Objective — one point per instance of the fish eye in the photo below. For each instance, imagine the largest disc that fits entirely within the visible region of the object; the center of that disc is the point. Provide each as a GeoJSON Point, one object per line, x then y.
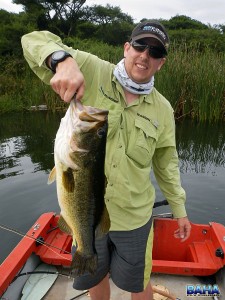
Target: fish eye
{"type": "Point", "coordinates": [101, 131]}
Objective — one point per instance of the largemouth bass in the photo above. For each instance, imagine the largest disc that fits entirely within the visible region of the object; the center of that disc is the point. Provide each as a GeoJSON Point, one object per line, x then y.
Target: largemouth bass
{"type": "Point", "coordinates": [79, 155]}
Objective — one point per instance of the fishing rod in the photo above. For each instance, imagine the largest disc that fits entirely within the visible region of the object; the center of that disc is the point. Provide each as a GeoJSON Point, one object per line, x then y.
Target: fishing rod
{"type": "Point", "coordinates": [154, 288]}
{"type": "Point", "coordinates": [48, 273]}
{"type": "Point", "coordinates": [70, 274]}
{"type": "Point", "coordinates": [42, 242]}
{"type": "Point", "coordinates": [38, 239]}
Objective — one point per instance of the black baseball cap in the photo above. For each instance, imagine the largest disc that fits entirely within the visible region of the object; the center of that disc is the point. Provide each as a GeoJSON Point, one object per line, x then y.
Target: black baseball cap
{"type": "Point", "coordinates": [151, 28]}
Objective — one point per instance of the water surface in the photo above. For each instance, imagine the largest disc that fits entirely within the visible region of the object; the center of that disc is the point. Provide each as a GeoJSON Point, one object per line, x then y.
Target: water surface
{"type": "Point", "coordinates": [26, 159]}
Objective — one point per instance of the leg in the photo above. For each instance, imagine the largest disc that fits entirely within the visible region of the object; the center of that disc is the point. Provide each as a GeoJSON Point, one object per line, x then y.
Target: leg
{"type": "Point", "coordinates": [147, 294]}
{"type": "Point", "coordinates": [101, 291]}
{"type": "Point", "coordinates": [98, 282]}
{"type": "Point", "coordinates": [131, 259]}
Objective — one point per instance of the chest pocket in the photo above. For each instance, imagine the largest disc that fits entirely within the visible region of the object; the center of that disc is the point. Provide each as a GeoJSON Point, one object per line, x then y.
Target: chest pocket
{"type": "Point", "coordinates": [142, 143]}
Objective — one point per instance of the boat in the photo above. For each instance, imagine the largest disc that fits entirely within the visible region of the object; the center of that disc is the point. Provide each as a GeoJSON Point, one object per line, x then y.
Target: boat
{"type": "Point", "coordinates": [196, 266]}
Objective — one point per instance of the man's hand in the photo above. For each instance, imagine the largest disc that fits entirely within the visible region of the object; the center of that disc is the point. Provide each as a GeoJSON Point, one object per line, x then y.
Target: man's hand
{"type": "Point", "coordinates": [184, 230]}
{"type": "Point", "coordinates": [68, 80]}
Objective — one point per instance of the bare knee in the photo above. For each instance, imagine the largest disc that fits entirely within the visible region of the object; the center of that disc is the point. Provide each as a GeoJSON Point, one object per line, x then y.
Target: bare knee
{"type": "Point", "coordinates": [101, 291]}
{"type": "Point", "coordinates": [147, 294]}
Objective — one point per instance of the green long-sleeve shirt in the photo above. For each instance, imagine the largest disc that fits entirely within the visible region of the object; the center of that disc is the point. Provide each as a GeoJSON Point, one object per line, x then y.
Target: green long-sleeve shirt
{"type": "Point", "coordinates": [141, 135]}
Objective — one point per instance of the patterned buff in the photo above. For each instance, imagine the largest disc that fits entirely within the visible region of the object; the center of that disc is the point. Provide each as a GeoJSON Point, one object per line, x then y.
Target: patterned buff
{"type": "Point", "coordinates": [131, 86]}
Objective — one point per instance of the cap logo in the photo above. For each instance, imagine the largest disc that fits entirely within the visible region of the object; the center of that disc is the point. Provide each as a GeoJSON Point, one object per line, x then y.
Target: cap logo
{"type": "Point", "coordinates": [155, 30]}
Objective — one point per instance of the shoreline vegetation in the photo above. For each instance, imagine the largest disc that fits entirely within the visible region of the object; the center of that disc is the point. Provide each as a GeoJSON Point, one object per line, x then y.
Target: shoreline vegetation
{"type": "Point", "coordinates": [192, 80]}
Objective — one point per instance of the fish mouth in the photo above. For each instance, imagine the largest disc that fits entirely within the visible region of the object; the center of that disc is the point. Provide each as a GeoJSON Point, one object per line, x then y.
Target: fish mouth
{"type": "Point", "coordinates": [88, 113]}
{"type": "Point", "coordinates": [92, 117]}
{"type": "Point", "coordinates": [87, 118]}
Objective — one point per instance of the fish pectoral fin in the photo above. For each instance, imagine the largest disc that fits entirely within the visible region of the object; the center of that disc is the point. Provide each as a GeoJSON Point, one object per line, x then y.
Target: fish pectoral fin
{"type": "Point", "coordinates": [82, 263]}
{"type": "Point", "coordinates": [104, 224]}
{"type": "Point", "coordinates": [52, 176]}
{"type": "Point", "coordinates": [68, 180]}
{"type": "Point", "coordinates": [63, 225]}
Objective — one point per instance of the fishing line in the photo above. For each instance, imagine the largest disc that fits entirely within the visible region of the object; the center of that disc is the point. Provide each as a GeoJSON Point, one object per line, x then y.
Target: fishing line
{"type": "Point", "coordinates": [51, 273]}
{"type": "Point", "coordinates": [78, 296]}
{"type": "Point", "coordinates": [69, 275]}
{"type": "Point", "coordinates": [41, 272]}
{"type": "Point", "coordinates": [38, 240]}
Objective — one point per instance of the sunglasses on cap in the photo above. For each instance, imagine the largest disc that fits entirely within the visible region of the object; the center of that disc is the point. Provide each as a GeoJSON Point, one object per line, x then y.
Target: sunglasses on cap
{"type": "Point", "coordinates": [153, 51]}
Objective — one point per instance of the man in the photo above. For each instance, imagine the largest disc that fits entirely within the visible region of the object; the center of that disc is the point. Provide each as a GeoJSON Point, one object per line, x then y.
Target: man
{"type": "Point", "coordinates": [141, 135]}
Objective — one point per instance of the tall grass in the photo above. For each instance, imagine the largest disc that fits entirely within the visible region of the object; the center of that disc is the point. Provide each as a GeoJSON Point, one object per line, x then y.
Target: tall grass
{"type": "Point", "coordinates": [20, 89]}
{"type": "Point", "coordinates": [191, 80]}
{"type": "Point", "coordinates": [194, 83]}
{"type": "Point", "coordinates": [105, 51]}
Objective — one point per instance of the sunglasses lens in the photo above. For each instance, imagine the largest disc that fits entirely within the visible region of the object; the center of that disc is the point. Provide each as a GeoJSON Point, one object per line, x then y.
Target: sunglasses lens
{"type": "Point", "coordinates": [139, 47]}
{"type": "Point", "coordinates": [154, 52]}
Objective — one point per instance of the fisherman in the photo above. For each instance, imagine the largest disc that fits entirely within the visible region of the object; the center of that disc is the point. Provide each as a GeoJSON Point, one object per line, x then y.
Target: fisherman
{"type": "Point", "coordinates": [141, 137]}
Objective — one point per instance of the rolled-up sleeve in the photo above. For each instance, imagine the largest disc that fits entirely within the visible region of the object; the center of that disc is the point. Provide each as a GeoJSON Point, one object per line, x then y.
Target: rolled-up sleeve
{"type": "Point", "coordinates": [166, 168]}
{"type": "Point", "coordinates": [168, 179]}
{"type": "Point", "coordinates": [37, 46]}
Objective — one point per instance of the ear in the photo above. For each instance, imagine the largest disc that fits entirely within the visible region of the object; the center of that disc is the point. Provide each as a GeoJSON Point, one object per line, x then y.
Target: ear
{"type": "Point", "coordinates": [162, 62]}
{"type": "Point", "coordinates": [126, 48]}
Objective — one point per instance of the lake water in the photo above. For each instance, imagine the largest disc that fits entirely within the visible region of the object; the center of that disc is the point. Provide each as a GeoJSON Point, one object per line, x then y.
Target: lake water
{"type": "Point", "coordinates": [26, 158]}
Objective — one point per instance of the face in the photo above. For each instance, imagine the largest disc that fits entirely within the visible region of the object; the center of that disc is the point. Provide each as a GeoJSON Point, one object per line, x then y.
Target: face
{"type": "Point", "coordinates": [140, 66]}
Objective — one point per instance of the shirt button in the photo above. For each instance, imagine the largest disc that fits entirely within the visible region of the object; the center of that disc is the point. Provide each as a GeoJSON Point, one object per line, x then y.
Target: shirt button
{"type": "Point", "coordinates": [111, 184]}
{"type": "Point", "coordinates": [114, 166]}
{"type": "Point", "coordinates": [120, 146]}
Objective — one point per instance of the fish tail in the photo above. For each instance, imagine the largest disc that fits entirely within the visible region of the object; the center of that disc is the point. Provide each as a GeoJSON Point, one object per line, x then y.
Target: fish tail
{"type": "Point", "coordinates": [82, 263]}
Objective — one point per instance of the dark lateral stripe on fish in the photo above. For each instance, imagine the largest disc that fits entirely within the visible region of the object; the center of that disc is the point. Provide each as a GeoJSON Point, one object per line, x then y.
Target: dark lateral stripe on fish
{"type": "Point", "coordinates": [68, 180]}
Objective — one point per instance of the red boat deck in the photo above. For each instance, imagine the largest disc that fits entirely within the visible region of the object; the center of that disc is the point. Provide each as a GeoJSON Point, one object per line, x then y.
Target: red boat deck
{"type": "Point", "coordinates": [199, 255]}
{"type": "Point", "coordinates": [202, 254]}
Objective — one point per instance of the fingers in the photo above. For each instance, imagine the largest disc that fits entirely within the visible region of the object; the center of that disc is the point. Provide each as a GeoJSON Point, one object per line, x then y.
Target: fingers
{"type": "Point", "coordinates": [67, 88]}
{"type": "Point", "coordinates": [68, 92]}
{"type": "Point", "coordinates": [181, 234]}
{"type": "Point", "coordinates": [68, 80]}
{"type": "Point", "coordinates": [80, 92]}
{"type": "Point", "coordinates": [184, 235]}
{"type": "Point", "coordinates": [184, 230]}
{"type": "Point", "coordinates": [177, 234]}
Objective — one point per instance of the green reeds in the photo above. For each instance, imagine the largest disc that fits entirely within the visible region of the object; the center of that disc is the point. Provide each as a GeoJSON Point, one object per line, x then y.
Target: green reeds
{"type": "Point", "coordinates": [194, 83]}
{"type": "Point", "coordinates": [192, 80]}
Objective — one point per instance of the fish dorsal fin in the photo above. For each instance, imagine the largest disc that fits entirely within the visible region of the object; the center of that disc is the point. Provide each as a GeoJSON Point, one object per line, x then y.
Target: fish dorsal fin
{"type": "Point", "coordinates": [52, 176]}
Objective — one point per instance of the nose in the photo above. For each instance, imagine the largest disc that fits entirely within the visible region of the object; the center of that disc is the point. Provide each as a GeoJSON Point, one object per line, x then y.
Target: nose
{"type": "Point", "coordinates": [145, 54]}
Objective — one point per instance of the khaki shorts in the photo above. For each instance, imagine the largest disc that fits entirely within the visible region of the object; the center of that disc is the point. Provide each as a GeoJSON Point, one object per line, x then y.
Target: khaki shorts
{"type": "Point", "coordinates": [126, 256]}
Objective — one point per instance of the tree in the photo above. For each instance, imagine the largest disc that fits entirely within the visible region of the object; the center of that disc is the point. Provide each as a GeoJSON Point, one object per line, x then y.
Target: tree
{"type": "Point", "coordinates": [109, 23]}
{"type": "Point", "coordinates": [60, 17]}
{"type": "Point", "coordinates": [108, 14]}
{"type": "Point", "coordinates": [12, 27]}
{"type": "Point", "coordinates": [183, 22]}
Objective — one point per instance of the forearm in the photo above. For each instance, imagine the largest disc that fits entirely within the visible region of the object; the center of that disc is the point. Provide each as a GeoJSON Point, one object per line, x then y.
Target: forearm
{"type": "Point", "coordinates": [39, 45]}
{"type": "Point", "coordinates": [67, 79]}
{"type": "Point", "coordinates": [168, 179]}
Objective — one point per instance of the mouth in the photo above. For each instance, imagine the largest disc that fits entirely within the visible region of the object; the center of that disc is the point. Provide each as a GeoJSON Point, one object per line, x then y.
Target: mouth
{"type": "Point", "coordinates": [141, 66]}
